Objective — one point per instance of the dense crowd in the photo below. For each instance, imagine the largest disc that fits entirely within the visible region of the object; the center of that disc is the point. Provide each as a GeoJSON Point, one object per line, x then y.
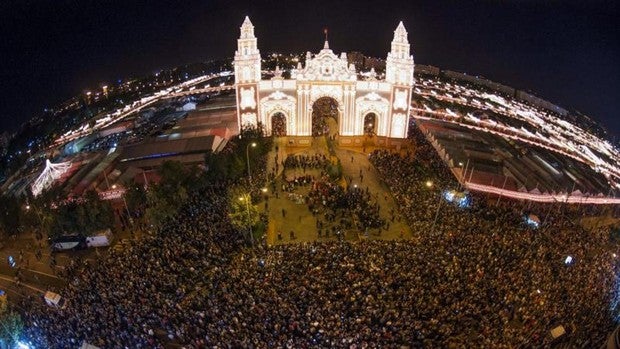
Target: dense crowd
{"type": "Point", "coordinates": [477, 277]}
{"type": "Point", "coordinates": [291, 184]}
{"type": "Point", "coordinates": [305, 162]}
{"type": "Point", "coordinates": [522, 274]}
{"type": "Point", "coordinates": [323, 109]}
{"type": "Point", "coordinates": [147, 294]}
{"type": "Point", "coordinates": [350, 207]}
{"type": "Point", "coordinates": [389, 293]}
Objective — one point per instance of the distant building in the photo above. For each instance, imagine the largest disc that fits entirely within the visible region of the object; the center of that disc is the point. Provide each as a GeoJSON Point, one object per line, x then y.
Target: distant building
{"type": "Point", "coordinates": [427, 69]}
{"type": "Point", "coordinates": [356, 58]}
{"type": "Point", "coordinates": [377, 63]}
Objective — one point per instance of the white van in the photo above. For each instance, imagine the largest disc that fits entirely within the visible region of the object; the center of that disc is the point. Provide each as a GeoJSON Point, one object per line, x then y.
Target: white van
{"type": "Point", "coordinates": [101, 239]}
{"type": "Point", "coordinates": [54, 300]}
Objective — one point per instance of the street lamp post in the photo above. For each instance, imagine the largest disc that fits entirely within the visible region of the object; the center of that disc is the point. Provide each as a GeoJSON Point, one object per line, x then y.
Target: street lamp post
{"type": "Point", "coordinates": [127, 209]}
{"type": "Point", "coordinates": [125, 203]}
{"type": "Point", "coordinates": [247, 198]}
{"type": "Point", "coordinates": [37, 213]}
{"type": "Point", "coordinates": [247, 157]}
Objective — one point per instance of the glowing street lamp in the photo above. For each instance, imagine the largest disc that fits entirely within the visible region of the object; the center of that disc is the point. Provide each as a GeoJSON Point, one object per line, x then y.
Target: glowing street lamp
{"type": "Point", "coordinates": [28, 207]}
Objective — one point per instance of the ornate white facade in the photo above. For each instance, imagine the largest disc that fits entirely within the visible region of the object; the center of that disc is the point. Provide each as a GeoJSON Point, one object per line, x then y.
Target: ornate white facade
{"type": "Point", "coordinates": [325, 75]}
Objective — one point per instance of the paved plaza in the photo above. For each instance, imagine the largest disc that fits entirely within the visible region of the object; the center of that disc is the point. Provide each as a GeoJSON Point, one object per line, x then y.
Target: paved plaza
{"type": "Point", "coordinates": [289, 212]}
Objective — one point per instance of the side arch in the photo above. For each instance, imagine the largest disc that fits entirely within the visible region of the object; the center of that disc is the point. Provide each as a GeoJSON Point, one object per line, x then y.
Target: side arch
{"type": "Point", "coordinates": [370, 121]}
{"type": "Point", "coordinates": [373, 103]}
{"type": "Point", "coordinates": [279, 102]}
{"type": "Point", "coordinates": [278, 124]}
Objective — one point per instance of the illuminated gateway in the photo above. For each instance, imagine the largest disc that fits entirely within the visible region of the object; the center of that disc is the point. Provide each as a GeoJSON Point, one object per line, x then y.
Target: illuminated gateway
{"type": "Point", "coordinates": [325, 75]}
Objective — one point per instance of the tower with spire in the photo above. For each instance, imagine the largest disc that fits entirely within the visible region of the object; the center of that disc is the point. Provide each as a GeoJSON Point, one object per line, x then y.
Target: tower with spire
{"type": "Point", "coordinates": [247, 65]}
{"type": "Point", "coordinates": [399, 73]}
{"type": "Point", "coordinates": [281, 100]}
{"type": "Point", "coordinates": [399, 63]}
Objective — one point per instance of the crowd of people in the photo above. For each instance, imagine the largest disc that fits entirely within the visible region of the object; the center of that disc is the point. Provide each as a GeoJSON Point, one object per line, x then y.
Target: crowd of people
{"type": "Point", "coordinates": [322, 110]}
{"type": "Point", "coordinates": [523, 273]}
{"type": "Point", "coordinates": [350, 207]}
{"type": "Point", "coordinates": [278, 125]}
{"type": "Point", "coordinates": [148, 294]}
{"type": "Point", "coordinates": [476, 277]}
{"type": "Point", "coordinates": [306, 162]}
{"type": "Point", "coordinates": [290, 185]}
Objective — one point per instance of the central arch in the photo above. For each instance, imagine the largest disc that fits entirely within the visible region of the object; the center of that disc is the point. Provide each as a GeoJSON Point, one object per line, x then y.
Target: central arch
{"type": "Point", "coordinates": [370, 124]}
{"type": "Point", "coordinates": [325, 117]}
{"type": "Point", "coordinates": [278, 124]}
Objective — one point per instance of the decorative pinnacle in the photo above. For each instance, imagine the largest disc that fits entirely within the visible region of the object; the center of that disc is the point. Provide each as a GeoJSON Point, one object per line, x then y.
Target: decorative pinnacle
{"type": "Point", "coordinates": [400, 34]}
{"type": "Point", "coordinates": [326, 45]}
{"type": "Point", "coordinates": [247, 22]}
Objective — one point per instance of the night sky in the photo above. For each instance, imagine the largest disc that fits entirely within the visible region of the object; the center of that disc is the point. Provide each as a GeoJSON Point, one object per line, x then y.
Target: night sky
{"type": "Point", "coordinates": [565, 51]}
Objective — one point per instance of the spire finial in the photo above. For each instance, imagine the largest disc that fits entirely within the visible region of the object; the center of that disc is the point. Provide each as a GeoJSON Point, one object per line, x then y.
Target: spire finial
{"type": "Point", "coordinates": [247, 28]}
{"type": "Point", "coordinates": [326, 45]}
{"type": "Point", "coordinates": [400, 34]}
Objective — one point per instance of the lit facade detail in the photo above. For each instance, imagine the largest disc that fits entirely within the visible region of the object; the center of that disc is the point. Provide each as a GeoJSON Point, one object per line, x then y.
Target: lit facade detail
{"type": "Point", "coordinates": [247, 65]}
{"type": "Point", "coordinates": [50, 173]}
{"type": "Point", "coordinates": [325, 74]}
{"type": "Point", "coordinates": [247, 100]}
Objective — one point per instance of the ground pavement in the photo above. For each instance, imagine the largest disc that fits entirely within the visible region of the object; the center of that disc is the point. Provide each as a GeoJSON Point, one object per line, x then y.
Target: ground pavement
{"type": "Point", "coordinates": [287, 213]}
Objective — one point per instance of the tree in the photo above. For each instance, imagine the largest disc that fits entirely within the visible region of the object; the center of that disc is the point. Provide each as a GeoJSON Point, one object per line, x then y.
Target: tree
{"type": "Point", "coordinates": [252, 132]}
{"type": "Point", "coordinates": [216, 166]}
{"type": "Point", "coordinates": [9, 214]}
{"type": "Point", "coordinates": [43, 206]}
{"type": "Point", "coordinates": [165, 197]}
{"type": "Point", "coordinates": [82, 216]}
{"type": "Point", "coordinates": [230, 164]}
{"type": "Point", "coordinates": [242, 213]}
{"type": "Point", "coordinates": [163, 203]}
{"type": "Point", "coordinates": [335, 170]}
{"type": "Point", "coordinates": [11, 326]}
{"type": "Point", "coordinates": [99, 213]}
{"type": "Point", "coordinates": [135, 196]}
